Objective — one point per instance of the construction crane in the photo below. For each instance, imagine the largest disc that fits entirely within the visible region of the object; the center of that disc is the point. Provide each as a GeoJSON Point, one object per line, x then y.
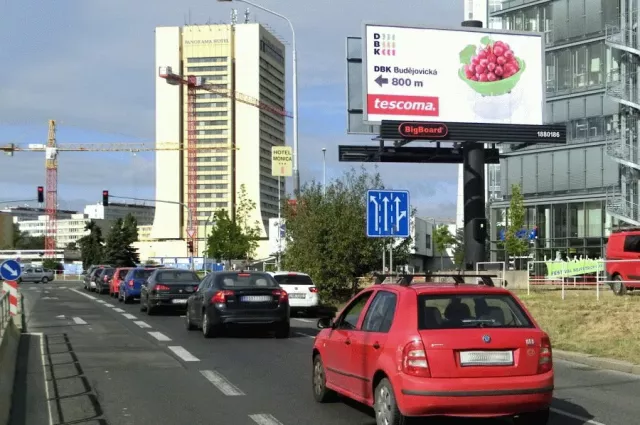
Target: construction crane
{"type": "Point", "coordinates": [194, 84]}
{"type": "Point", "coordinates": [51, 149]}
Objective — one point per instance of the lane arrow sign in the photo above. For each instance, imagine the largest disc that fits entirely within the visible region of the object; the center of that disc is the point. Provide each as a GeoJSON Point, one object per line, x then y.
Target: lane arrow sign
{"type": "Point", "coordinates": [11, 270]}
{"type": "Point", "coordinates": [381, 80]}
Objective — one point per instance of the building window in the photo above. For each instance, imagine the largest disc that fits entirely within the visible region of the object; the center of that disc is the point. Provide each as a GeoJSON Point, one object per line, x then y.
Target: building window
{"type": "Point", "coordinates": [218, 68]}
{"type": "Point", "coordinates": [427, 241]}
{"type": "Point", "coordinates": [207, 59]}
{"type": "Point", "coordinates": [214, 122]}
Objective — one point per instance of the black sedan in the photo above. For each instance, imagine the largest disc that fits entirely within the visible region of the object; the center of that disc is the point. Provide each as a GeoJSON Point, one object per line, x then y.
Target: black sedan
{"type": "Point", "coordinates": [167, 288]}
{"type": "Point", "coordinates": [245, 298]}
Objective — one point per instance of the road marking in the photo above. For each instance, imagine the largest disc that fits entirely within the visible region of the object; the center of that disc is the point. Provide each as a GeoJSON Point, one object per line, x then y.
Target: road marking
{"type": "Point", "coordinates": [109, 305]}
{"type": "Point", "coordinates": [46, 292]}
{"type": "Point", "coordinates": [129, 316]}
{"type": "Point", "coordinates": [91, 297]}
{"type": "Point", "coordinates": [183, 354]}
{"type": "Point", "coordinates": [142, 324]}
{"type": "Point", "coordinates": [49, 298]}
{"type": "Point", "coordinates": [101, 301]}
{"type": "Point", "coordinates": [62, 287]}
{"type": "Point", "coordinates": [119, 310]}
{"type": "Point", "coordinates": [79, 321]}
{"type": "Point", "coordinates": [44, 373]}
{"type": "Point", "coordinates": [585, 421]}
{"type": "Point", "coordinates": [159, 336]}
{"type": "Point", "coordinates": [301, 334]}
{"type": "Point", "coordinates": [265, 419]}
{"type": "Point", "coordinates": [303, 320]}
{"type": "Point", "coordinates": [221, 383]}
{"type": "Point", "coordinates": [33, 289]}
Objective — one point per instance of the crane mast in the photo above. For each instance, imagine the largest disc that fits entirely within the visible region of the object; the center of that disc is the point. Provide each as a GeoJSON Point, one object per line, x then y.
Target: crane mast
{"type": "Point", "coordinates": [51, 193]}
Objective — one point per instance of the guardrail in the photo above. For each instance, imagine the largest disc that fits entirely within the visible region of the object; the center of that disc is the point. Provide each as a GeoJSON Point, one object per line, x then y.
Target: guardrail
{"type": "Point", "coordinates": [5, 312]}
{"type": "Point", "coordinates": [498, 267]}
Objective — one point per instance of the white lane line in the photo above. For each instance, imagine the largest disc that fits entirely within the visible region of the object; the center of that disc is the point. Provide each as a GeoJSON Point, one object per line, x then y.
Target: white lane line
{"type": "Point", "coordinates": [101, 301]}
{"type": "Point", "coordinates": [301, 334]}
{"type": "Point", "coordinates": [62, 287]}
{"type": "Point", "coordinates": [129, 316]}
{"type": "Point", "coordinates": [109, 305]}
{"type": "Point", "coordinates": [91, 297]}
{"type": "Point", "coordinates": [43, 356]}
{"type": "Point", "coordinates": [119, 310]}
{"type": "Point", "coordinates": [142, 324]}
{"type": "Point", "coordinates": [221, 383]}
{"type": "Point", "coordinates": [33, 289]}
{"type": "Point", "coordinates": [585, 421]}
{"type": "Point", "coordinates": [79, 321]}
{"type": "Point", "coordinates": [159, 336]}
{"type": "Point", "coordinates": [183, 354]}
{"type": "Point", "coordinates": [265, 419]}
{"type": "Point", "coordinates": [303, 320]}
{"type": "Point", "coordinates": [46, 292]}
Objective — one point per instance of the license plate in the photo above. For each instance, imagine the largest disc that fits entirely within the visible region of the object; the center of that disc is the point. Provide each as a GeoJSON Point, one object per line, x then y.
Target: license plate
{"type": "Point", "coordinates": [179, 301]}
{"type": "Point", "coordinates": [297, 296]}
{"type": "Point", "coordinates": [490, 358]}
{"type": "Point", "coordinates": [255, 298]}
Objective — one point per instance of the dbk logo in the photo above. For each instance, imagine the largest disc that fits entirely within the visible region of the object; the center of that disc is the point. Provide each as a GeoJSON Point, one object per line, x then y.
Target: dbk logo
{"type": "Point", "coordinates": [384, 44]}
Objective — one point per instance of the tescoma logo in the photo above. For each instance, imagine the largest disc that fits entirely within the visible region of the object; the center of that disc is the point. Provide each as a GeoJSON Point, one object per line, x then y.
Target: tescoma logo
{"type": "Point", "coordinates": [384, 44]}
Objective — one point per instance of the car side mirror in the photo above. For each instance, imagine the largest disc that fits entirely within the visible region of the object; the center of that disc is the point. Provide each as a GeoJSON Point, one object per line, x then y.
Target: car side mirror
{"type": "Point", "coordinates": [325, 323]}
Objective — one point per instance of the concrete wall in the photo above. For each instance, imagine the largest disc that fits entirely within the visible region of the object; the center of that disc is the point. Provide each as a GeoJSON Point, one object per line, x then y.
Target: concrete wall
{"type": "Point", "coordinates": [9, 344]}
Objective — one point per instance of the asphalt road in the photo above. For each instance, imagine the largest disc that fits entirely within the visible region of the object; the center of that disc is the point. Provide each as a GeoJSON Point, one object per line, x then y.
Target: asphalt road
{"type": "Point", "coordinates": [108, 363]}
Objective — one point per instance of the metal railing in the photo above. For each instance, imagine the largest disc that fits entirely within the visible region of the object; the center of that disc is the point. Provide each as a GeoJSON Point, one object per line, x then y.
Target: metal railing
{"type": "Point", "coordinates": [621, 146]}
{"type": "Point", "coordinates": [617, 35]}
{"type": "Point", "coordinates": [618, 205]}
{"type": "Point", "coordinates": [624, 86]}
{"type": "Point", "coordinates": [5, 312]}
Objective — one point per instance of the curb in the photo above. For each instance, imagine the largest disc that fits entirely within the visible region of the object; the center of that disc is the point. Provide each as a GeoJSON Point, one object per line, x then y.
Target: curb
{"type": "Point", "coordinates": [597, 362]}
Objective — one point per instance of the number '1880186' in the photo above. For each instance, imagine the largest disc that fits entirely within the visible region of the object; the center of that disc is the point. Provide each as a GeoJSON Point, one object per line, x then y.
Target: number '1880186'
{"type": "Point", "coordinates": [548, 134]}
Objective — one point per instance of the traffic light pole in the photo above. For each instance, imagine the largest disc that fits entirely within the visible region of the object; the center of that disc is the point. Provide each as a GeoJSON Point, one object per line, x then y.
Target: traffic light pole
{"type": "Point", "coordinates": [185, 206]}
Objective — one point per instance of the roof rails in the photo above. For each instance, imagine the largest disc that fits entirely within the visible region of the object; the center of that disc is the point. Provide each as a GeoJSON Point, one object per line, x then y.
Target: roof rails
{"type": "Point", "coordinates": [626, 229]}
{"type": "Point", "coordinates": [407, 279]}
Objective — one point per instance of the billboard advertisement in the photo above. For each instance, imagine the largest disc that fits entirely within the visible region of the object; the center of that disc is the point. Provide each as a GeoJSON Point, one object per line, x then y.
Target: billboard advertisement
{"type": "Point", "coordinates": [469, 75]}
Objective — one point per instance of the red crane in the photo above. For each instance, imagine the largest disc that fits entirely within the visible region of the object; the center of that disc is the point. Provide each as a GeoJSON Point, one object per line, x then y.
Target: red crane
{"type": "Point", "coordinates": [194, 84]}
{"type": "Point", "coordinates": [51, 192]}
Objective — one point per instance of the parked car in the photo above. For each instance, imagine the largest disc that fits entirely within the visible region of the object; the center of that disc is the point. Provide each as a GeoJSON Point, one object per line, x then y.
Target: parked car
{"type": "Point", "coordinates": [246, 298]}
{"type": "Point", "coordinates": [168, 288]}
{"type": "Point", "coordinates": [436, 349]}
{"type": "Point", "coordinates": [303, 294]}
{"type": "Point", "coordinates": [623, 274]}
{"type": "Point", "coordinates": [132, 283]}
{"type": "Point", "coordinates": [90, 274]}
{"type": "Point", "coordinates": [118, 277]}
{"type": "Point", "coordinates": [103, 280]}
{"type": "Point", "coordinates": [33, 274]}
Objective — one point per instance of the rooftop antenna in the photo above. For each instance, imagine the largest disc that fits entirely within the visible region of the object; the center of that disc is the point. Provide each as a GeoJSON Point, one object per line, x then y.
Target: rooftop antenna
{"type": "Point", "coordinates": [234, 16]}
{"type": "Point", "coordinates": [189, 16]}
{"type": "Point", "coordinates": [246, 15]}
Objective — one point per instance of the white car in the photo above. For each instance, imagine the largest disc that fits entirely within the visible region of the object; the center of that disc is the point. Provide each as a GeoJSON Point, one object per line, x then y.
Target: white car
{"type": "Point", "coordinates": [303, 294]}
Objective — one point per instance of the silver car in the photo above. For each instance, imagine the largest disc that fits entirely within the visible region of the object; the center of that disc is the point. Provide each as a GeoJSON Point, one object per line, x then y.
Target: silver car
{"type": "Point", "coordinates": [32, 274]}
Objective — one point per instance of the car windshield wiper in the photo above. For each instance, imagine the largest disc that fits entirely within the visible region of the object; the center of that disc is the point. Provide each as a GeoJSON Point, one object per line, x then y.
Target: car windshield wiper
{"type": "Point", "coordinates": [479, 322]}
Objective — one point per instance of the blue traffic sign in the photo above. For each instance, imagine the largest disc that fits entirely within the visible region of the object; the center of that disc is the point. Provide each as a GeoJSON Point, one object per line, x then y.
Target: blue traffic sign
{"type": "Point", "coordinates": [388, 213]}
{"type": "Point", "coordinates": [10, 270]}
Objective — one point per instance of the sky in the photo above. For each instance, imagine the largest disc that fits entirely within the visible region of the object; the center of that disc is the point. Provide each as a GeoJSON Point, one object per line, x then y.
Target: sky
{"type": "Point", "coordinates": [89, 64]}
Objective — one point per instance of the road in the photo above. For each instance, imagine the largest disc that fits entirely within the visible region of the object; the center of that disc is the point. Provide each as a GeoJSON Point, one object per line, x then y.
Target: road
{"type": "Point", "coordinates": [109, 364]}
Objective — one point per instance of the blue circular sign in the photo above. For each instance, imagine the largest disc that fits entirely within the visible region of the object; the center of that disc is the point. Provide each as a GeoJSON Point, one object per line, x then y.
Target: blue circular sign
{"type": "Point", "coordinates": [486, 338]}
{"type": "Point", "coordinates": [10, 270]}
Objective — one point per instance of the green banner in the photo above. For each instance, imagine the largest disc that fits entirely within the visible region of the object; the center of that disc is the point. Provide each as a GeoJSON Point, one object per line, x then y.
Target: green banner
{"type": "Point", "coordinates": [573, 268]}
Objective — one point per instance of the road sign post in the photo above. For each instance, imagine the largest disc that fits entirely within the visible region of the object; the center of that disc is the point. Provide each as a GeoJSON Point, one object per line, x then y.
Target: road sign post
{"type": "Point", "coordinates": [10, 270]}
{"type": "Point", "coordinates": [281, 166]}
{"type": "Point", "coordinates": [388, 214]}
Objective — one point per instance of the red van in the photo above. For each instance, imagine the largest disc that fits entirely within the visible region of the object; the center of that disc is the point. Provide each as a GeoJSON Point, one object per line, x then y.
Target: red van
{"type": "Point", "coordinates": [623, 275]}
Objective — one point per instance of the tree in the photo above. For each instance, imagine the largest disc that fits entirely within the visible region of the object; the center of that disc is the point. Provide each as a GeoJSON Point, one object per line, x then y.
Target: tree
{"type": "Point", "coordinates": [325, 234]}
{"type": "Point", "coordinates": [118, 248]}
{"type": "Point", "coordinates": [72, 246]}
{"type": "Point", "coordinates": [52, 264]}
{"type": "Point", "coordinates": [514, 245]}
{"type": "Point", "coordinates": [91, 245]}
{"type": "Point", "coordinates": [442, 239]}
{"type": "Point", "coordinates": [22, 240]}
{"type": "Point", "coordinates": [458, 248]}
{"type": "Point", "coordinates": [234, 238]}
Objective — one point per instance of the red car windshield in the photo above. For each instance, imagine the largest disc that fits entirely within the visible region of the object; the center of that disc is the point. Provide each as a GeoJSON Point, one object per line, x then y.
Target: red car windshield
{"type": "Point", "coordinates": [455, 311]}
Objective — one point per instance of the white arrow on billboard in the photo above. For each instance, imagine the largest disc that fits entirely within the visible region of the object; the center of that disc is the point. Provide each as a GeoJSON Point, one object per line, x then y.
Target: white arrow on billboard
{"type": "Point", "coordinates": [374, 201]}
{"type": "Point", "coordinates": [399, 214]}
{"type": "Point", "coordinates": [385, 201]}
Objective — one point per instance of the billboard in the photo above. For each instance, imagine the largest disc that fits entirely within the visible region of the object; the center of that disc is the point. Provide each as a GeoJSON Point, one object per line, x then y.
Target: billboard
{"type": "Point", "coordinates": [470, 75]}
{"type": "Point", "coordinates": [281, 161]}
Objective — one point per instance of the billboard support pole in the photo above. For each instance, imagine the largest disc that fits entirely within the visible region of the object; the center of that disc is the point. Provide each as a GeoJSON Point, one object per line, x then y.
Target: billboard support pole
{"type": "Point", "coordinates": [474, 202]}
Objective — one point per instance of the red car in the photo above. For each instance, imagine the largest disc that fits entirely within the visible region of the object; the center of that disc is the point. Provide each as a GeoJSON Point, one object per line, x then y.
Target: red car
{"type": "Point", "coordinates": [118, 277]}
{"type": "Point", "coordinates": [433, 349]}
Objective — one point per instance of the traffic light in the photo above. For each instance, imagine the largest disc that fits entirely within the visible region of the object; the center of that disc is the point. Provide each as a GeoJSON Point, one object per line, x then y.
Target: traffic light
{"type": "Point", "coordinates": [40, 194]}
{"type": "Point", "coordinates": [105, 198]}
{"type": "Point", "coordinates": [190, 246]}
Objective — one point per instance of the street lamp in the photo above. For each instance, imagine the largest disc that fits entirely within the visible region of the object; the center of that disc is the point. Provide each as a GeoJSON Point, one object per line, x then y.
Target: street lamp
{"type": "Point", "coordinates": [211, 220]}
{"type": "Point", "coordinates": [296, 171]}
{"type": "Point", "coordinates": [324, 171]}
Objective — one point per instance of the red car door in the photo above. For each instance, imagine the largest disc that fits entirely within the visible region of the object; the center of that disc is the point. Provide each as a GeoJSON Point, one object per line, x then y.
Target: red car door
{"type": "Point", "coordinates": [369, 342]}
{"type": "Point", "coordinates": [337, 350]}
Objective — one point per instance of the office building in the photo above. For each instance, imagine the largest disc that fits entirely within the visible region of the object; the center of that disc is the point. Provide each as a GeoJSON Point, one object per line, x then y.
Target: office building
{"type": "Point", "coordinates": [30, 213]}
{"type": "Point", "coordinates": [575, 194]}
{"type": "Point", "coordinates": [68, 230]}
{"type": "Point", "coordinates": [249, 60]}
{"type": "Point", "coordinates": [143, 213]}
{"type": "Point", "coordinates": [6, 231]}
